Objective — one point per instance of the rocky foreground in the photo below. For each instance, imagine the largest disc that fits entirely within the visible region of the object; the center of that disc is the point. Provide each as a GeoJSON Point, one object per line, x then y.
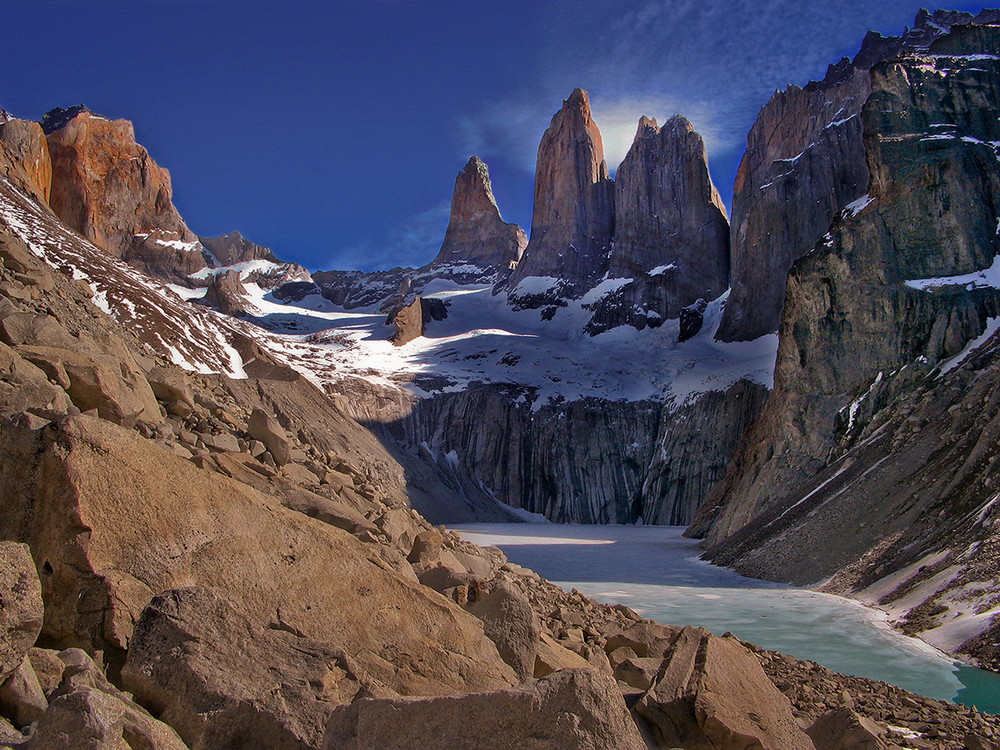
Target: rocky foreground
{"type": "Point", "coordinates": [205, 561]}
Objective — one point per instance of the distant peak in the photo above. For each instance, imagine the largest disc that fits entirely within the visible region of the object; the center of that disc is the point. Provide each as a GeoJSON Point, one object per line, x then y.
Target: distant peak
{"type": "Point", "coordinates": [59, 117]}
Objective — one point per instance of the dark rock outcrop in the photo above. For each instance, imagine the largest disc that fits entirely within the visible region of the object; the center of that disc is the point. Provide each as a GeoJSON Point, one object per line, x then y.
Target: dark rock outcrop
{"type": "Point", "coordinates": [108, 188]}
{"type": "Point", "coordinates": [805, 161]}
{"type": "Point", "coordinates": [671, 230]}
{"type": "Point", "coordinates": [226, 293]}
{"type": "Point", "coordinates": [573, 219]}
{"type": "Point", "coordinates": [476, 234]}
{"type": "Point", "coordinates": [412, 317]}
{"type": "Point", "coordinates": [861, 336]}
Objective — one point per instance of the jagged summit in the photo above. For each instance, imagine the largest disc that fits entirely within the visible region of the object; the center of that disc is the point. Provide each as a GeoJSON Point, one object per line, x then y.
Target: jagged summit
{"type": "Point", "coordinates": [58, 117]}
{"type": "Point", "coordinates": [573, 218]}
{"type": "Point", "coordinates": [477, 235]}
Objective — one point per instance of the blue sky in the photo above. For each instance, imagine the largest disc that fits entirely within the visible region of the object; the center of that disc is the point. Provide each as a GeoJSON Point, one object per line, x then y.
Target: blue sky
{"type": "Point", "coordinates": [333, 131]}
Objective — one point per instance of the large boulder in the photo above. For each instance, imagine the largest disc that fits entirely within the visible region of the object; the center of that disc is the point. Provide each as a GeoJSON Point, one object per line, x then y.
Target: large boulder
{"type": "Point", "coordinates": [20, 605]}
{"type": "Point", "coordinates": [712, 693]}
{"type": "Point", "coordinates": [116, 520]}
{"type": "Point", "coordinates": [845, 730]}
{"type": "Point", "coordinates": [218, 678]}
{"type": "Point", "coordinates": [265, 428]}
{"type": "Point", "coordinates": [578, 709]}
{"type": "Point", "coordinates": [510, 622]}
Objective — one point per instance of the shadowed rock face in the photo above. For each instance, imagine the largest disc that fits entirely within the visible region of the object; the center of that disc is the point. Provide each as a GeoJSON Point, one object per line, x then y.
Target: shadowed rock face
{"type": "Point", "coordinates": [859, 339]}
{"type": "Point", "coordinates": [671, 231]}
{"type": "Point", "coordinates": [573, 220]}
{"type": "Point", "coordinates": [476, 234]}
{"type": "Point", "coordinates": [108, 188]}
{"type": "Point", "coordinates": [235, 248]}
{"type": "Point", "coordinates": [805, 161]}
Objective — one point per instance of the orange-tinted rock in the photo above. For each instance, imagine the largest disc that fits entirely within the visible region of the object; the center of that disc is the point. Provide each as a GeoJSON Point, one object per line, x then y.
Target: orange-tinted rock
{"type": "Point", "coordinates": [573, 220]}
{"type": "Point", "coordinates": [25, 143]}
{"type": "Point", "coordinates": [107, 187]}
{"type": "Point", "coordinates": [476, 234]}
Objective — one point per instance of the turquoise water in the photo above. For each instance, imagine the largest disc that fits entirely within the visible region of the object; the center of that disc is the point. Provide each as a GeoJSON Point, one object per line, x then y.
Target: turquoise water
{"type": "Point", "coordinates": [655, 571]}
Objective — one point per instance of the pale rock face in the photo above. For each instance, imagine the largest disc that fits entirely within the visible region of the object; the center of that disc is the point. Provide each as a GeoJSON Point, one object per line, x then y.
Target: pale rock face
{"type": "Point", "coordinates": [573, 220]}
{"type": "Point", "coordinates": [476, 234]}
{"type": "Point", "coordinates": [108, 188]}
{"type": "Point", "coordinates": [21, 613]}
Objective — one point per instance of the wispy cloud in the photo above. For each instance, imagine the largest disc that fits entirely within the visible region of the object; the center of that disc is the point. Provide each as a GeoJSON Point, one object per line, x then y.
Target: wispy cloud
{"type": "Point", "coordinates": [413, 242]}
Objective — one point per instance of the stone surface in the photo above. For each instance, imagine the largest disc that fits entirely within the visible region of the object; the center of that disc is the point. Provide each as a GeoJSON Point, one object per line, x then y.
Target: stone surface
{"type": "Point", "coordinates": [88, 713]}
{"type": "Point", "coordinates": [573, 217]}
{"type": "Point", "coordinates": [268, 430]}
{"type": "Point", "coordinates": [25, 142]}
{"type": "Point", "coordinates": [712, 693]}
{"type": "Point", "coordinates": [226, 293]}
{"type": "Point", "coordinates": [671, 230]}
{"type": "Point", "coordinates": [154, 521]}
{"type": "Point", "coordinates": [476, 234]}
{"type": "Point", "coordinates": [571, 709]}
{"type": "Point", "coordinates": [845, 730]}
{"type": "Point", "coordinates": [22, 699]}
{"type": "Point", "coordinates": [510, 623]}
{"type": "Point", "coordinates": [219, 679]}
{"type": "Point", "coordinates": [805, 161]}
{"type": "Point", "coordinates": [20, 606]}
{"type": "Point", "coordinates": [108, 188]}
{"type": "Point", "coordinates": [233, 248]}
{"type": "Point", "coordinates": [854, 332]}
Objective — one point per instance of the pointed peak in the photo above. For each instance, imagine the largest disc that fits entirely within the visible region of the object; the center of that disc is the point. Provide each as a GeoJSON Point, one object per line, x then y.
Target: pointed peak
{"type": "Point", "coordinates": [578, 99]}
{"type": "Point", "coordinates": [679, 123]}
{"type": "Point", "coordinates": [647, 128]}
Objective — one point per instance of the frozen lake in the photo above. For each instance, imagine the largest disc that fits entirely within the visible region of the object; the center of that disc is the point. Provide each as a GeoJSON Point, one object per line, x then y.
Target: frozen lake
{"type": "Point", "coordinates": [656, 572]}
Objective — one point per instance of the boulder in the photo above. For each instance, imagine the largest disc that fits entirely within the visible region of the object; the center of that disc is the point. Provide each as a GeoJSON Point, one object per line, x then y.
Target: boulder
{"type": "Point", "coordinates": [219, 679]}
{"type": "Point", "coordinates": [226, 293]}
{"type": "Point", "coordinates": [88, 713]}
{"type": "Point", "coordinates": [22, 699]}
{"type": "Point", "coordinates": [119, 393]}
{"type": "Point", "coordinates": [843, 729]}
{"type": "Point", "coordinates": [578, 709]}
{"type": "Point", "coordinates": [170, 385]}
{"type": "Point", "coordinates": [266, 429]}
{"type": "Point", "coordinates": [48, 668]}
{"type": "Point", "coordinates": [24, 387]}
{"type": "Point", "coordinates": [116, 519]}
{"type": "Point", "coordinates": [713, 691]}
{"type": "Point", "coordinates": [20, 605]}
{"type": "Point", "coordinates": [510, 622]}
{"type": "Point", "coordinates": [551, 656]}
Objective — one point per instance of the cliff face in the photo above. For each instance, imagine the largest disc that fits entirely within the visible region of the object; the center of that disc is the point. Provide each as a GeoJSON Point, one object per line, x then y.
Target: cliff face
{"type": "Point", "coordinates": [805, 161]}
{"type": "Point", "coordinates": [573, 216]}
{"type": "Point", "coordinates": [587, 461]}
{"type": "Point", "coordinates": [108, 188]}
{"type": "Point", "coordinates": [25, 142]}
{"type": "Point", "coordinates": [671, 231]}
{"type": "Point", "coordinates": [869, 328]}
{"type": "Point", "coordinates": [476, 234]}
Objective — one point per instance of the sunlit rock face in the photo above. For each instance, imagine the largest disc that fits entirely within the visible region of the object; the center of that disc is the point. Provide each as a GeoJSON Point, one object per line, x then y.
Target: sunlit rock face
{"type": "Point", "coordinates": [573, 219]}
{"type": "Point", "coordinates": [108, 188]}
{"type": "Point", "coordinates": [476, 234]}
